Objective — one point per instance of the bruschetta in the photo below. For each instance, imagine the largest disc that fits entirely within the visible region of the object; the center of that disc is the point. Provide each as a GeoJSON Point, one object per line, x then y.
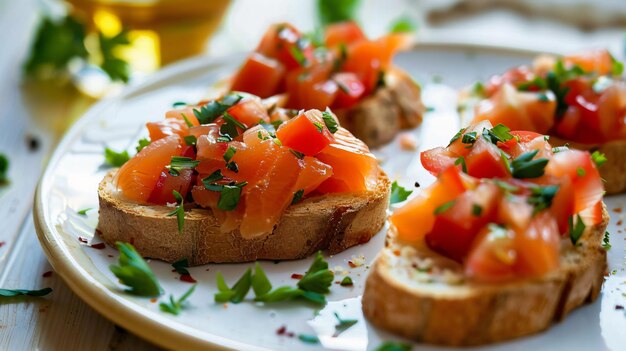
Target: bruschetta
{"type": "Point", "coordinates": [508, 240]}
{"type": "Point", "coordinates": [230, 181]}
{"type": "Point", "coordinates": [578, 100]}
{"type": "Point", "coordinates": [342, 70]}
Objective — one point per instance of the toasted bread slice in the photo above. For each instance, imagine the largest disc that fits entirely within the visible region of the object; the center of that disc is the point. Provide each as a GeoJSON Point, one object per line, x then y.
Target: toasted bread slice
{"type": "Point", "coordinates": [378, 118]}
{"type": "Point", "coordinates": [438, 307]}
{"type": "Point", "coordinates": [613, 171]}
{"type": "Point", "coordinates": [332, 222]}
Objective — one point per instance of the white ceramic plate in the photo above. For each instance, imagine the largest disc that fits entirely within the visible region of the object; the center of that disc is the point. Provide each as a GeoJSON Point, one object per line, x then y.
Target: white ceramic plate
{"type": "Point", "coordinates": [70, 184]}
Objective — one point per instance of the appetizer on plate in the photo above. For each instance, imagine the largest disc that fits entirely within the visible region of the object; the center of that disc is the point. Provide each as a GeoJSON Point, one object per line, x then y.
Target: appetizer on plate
{"type": "Point", "coordinates": [578, 100]}
{"type": "Point", "coordinates": [228, 181]}
{"type": "Point", "coordinates": [507, 240]}
{"type": "Point", "coordinates": [343, 70]}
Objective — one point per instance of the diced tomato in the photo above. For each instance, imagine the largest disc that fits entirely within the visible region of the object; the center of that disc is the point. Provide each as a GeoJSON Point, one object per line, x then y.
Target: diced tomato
{"type": "Point", "coordinates": [259, 75]}
{"type": "Point", "coordinates": [567, 126]}
{"type": "Point", "coordinates": [512, 146]}
{"type": "Point", "coordinates": [350, 90]}
{"type": "Point", "coordinates": [285, 43]}
{"type": "Point", "coordinates": [417, 217]}
{"type": "Point", "coordinates": [612, 111]}
{"type": "Point", "coordinates": [513, 77]}
{"type": "Point", "coordinates": [597, 61]}
{"type": "Point", "coordinates": [305, 133]}
{"type": "Point", "coordinates": [586, 181]}
{"type": "Point", "coordinates": [310, 88]}
{"type": "Point", "coordinates": [365, 61]}
{"type": "Point", "coordinates": [563, 204]}
{"type": "Point", "coordinates": [167, 183]}
{"type": "Point", "coordinates": [462, 149]}
{"type": "Point", "coordinates": [486, 161]}
{"type": "Point", "coordinates": [492, 256]}
{"type": "Point", "coordinates": [537, 246]}
{"type": "Point", "coordinates": [249, 112]}
{"type": "Point", "coordinates": [137, 178]}
{"type": "Point", "coordinates": [515, 212]}
{"type": "Point", "coordinates": [592, 215]}
{"type": "Point", "coordinates": [454, 229]}
{"type": "Point", "coordinates": [343, 33]}
{"type": "Point", "coordinates": [437, 159]}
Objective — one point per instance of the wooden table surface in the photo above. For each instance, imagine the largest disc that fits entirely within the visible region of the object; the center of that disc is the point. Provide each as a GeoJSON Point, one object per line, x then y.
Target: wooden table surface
{"type": "Point", "coordinates": [61, 321]}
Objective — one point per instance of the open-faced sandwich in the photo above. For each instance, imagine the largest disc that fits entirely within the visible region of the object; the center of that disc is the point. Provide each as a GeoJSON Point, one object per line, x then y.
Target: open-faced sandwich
{"type": "Point", "coordinates": [577, 100]}
{"type": "Point", "coordinates": [342, 70]}
{"type": "Point", "coordinates": [507, 240]}
{"type": "Point", "coordinates": [228, 181]}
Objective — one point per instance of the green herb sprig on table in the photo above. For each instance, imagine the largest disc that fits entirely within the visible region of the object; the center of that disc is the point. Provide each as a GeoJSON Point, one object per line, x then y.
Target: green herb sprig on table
{"type": "Point", "coordinates": [23, 292]}
{"type": "Point", "coordinates": [398, 193]}
{"type": "Point", "coordinates": [135, 273]}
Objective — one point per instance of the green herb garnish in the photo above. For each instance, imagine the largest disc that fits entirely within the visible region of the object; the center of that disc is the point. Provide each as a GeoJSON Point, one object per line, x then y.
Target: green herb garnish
{"type": "Point", "coordinates": [229, 193]}
{"type": "Point", "coordinates": [178, 163]}
{"type": "Point", "coordinates": [112, 64]}
{"type": "Point", "coordinates": [237, 293]}
{"type": "Point", "coordinates": [541, 197]}
{"type": "Point", "coordinates": [298, 154]}
{"type": "Point", "coordinates": [598, 158]}
{"type": "Point", "coordinates": [175, 306]}
{"type": "Point", "coordinates": [142, 143]}
{"type": "Point", "coordinates": [297, 196]}
{"type": "Point", "coordinates": [398, 193]}
{"type": "Point", "coordinates": [181, 266]}
{"type": "Point", "coordinates": [443, 208]}
{"type": "Point", "coordinates": [309, 339]}
{"type": "Point", "coordinates": [461, 161]}
{"type": "Point", "coordinates": [333, 11]}
{"type": "Point", "coordinates": [346, 281]}
{"type": "Point", "coordinates": [499, 133]}
{"type": "Point", "coordinates": [4, 169]}
{"type": "Point", "coordinates": [456, 136]}
{"type": "Point", "coordinates": [179, 211]}
{"type": "Point", "coordinates": [524, 166]}
{"type": "Point", "coordinates": [403, 24]}
{"type": "Point", "coordinates": [135, 273]}
{"type": "Point", "coordinates": [330, 122]}
{"type": "Point", "coordinates": [208, 113]}
{"type": "Point", "coordinates": [83, 212]}
{"type": "Point", "coordinates": [477, 210]}
{"type": "Point", "coordinates": [178, 104]}
{"type": "Point", "coordinates": [190, 140]}
{"type": "Point", "coordinates": [187, 121]}
{"type": "Point", "coordinates": [393, 346]}
{"type": "Point", "coordinates": [605, 241]}
{"type": "Point", "coordinates": [115, 159]}
{"type": "Point", "coordinates": [23, 292]}
{"type": "Point", "coordinates": [576, 230]}
{"type": "Point", "coordinates": [229, 129]}
{"type": "Point", "coordinates": [469, 138]}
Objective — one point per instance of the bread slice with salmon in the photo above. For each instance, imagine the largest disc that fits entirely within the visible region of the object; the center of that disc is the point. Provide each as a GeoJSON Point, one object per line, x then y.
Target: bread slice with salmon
{"type": "Point", "coordinates": [226, 182]}
{"type": "Point", "coordinates": [343, 70]}
{"type": "Point", "coordinates": [509, 239]}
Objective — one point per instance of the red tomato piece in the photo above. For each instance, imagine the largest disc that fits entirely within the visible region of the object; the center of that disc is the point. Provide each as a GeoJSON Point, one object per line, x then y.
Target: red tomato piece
{"type": "Point", "coordinates": [350, 90]}
{"type": "Point", "coordinates": [486, 161]}
{"type": "Point", "coordinates": [249, 112]}
{"type": "Point", "coordinates": [537, 246]}
{"type": "Point", "coordinates": [285, 43]}
{"type": "Point", "coordinates": [343, 33]}
{"type": "Point", "coordinates": [305, 133]}
{"type": "Point", "coordinates": [492, 256]}
{"type": "Point", "coordinates": [259, 75]}
{"type": "Point", "coordinates": [438, 159]}
{"type": "Point", "coordinates": [167, 183]}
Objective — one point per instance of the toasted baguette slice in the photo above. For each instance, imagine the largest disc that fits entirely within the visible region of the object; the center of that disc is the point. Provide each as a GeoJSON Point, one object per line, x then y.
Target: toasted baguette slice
{"type": "Point", "coordinates": [440, 308]}
{"type": "Point", "coordinates": [331, 222]}
{"type": "Point", "coordinates": [613, 171]}
{"type": "Point", "coordinates": [378, 118]}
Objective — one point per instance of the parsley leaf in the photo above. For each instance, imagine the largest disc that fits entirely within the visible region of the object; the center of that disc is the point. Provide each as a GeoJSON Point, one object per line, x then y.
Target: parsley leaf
{"type": "Point", "coordinates": [229, 129]}
{"type": "Point", "coordinates": [181, 266]}
{"type": "Point", "coordinates": [346, 281]}
{"type": "Point", "coordinates": [477, 210]}
{"type": "Point", "coordinates": [398, 193]}
{"type": "Point", "coordinates": [178, 163]}
{"type": "Point", "coordinates": [83, 212]}
{"type": "Point", "coordinates": [187, 121]}
{"type": "Point", "coordinates": [298, 154]}
{"type": "Point", "coordinates": [297, 196]}
{"type": "Point", "coordinates": [190, 140]}
{"type": "Point", "coordinates": [260, 284]}
{"type": "Point", "coordinates": [541, 197]}
{"type": "Point", "coordinates": [617, 67]}
{"type": "Point", "coordinates": [333, 11]}
{"type": "Point", "coordinates": [461, 161]}
{"type": "Point", "coordinates": [469, 138]}
{"type": "Point", "coordinates": [403, 24]}
{"type": "Point", "coordinates": [443, 208]}
{"type": "Point", "coordinates": [135, 273]}
{"type": "Point", "coordinates": [179, 211]}
{"type": "Point", "coordinates": [229, 193]}
{"type": "Point", "coordinates": [4, 169]}
{"type": "Point", "coordinates": [175, 306]}
{"type": "Point", "coordinates": [605, 241]}
{"type": "Point", "coordinates": [499, 133]}
{"type": "Point", "coordinates": [208, 113]}
{"type": "Point", "coordinates": [343, 324]}
{"type": "Point", "coordinates": [23, 292]}
{"type": "Point", "coordinates": [393, 346]}
{"type": "Point", "coordinates": [318, 278]}
{"type": "Point", "coordinates": [330, 122]}
{"type": "Point", "coordinates": [598, 158]}
{"type": "Point", "coordinates": [142, 143]}
{"type": "Point", "coordinates": [523, 166]}
{"type": "Point", "coordinates": [115, 67]}
{"type": "Point", "coordinates": [456, 136]}
{"type": "Point", "coordinates": [577, 230]}
{"type": "Point", "coordinates": [115, 159]}
{"type": "Point", "coordinates": [309, 339]}
{"type": "Point", "coordinates": [178, 104]}
{"type": "Point", "coordinates": [237, 293]}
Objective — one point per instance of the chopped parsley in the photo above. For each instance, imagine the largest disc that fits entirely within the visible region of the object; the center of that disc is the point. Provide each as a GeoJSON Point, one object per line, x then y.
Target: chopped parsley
{"type": "Point", "coordinates": [398, 193]}
{"type": "Point", "coordinates": [443, 208]}
{"type": "Point", "coordinates": [228, 130]}
{"type": "Point", "coordinates": [343, 324]}
{"type": "Point", "coordinates": [178, 104]}
{"type": "Point", "coordinates": [208, 113]}
{"type": "Point", "coordinates": [228, 155]}
{"type": "Point", "coordinates": [23, 292]}
{"type": "Point", "coordinates": [135, 273]}
{"type": "Point", "coordinates": [330, 122]}
{"type": "Point", "coordinates": [178, 163]}
{"type": "Point", "coordinates": [175, 306]}
{"type": "Point", "coordinates": [179, 211]}
{"type": "Point", "coordinates": [478, 90]}
{"type": "Point", "coordinates": [541, 197]}
{"type": "Point", "coordinates": [319, 126]}
{"type": "Point", "coordinates": [524, 166]}
{"type": "Point", "coordinates": [142, 143]}
{"type": "Point", "coordinates": [190, 140]}
{"type": "Point", "coordinates": [346, 281]}
{"type": "Point", "coordinates": [605, 241]}
{"type": "Point", "coordinates": [4, 169]}
{"type": "Point", "coordinates": [477, 210]}
{"type": "Point", "coordinates": [297, 196]}
{"type": "Point", "coordinates": [297, 53]}
{"type": "Point", "coordinates": [318, 278]}
{"type": "Point", "coordinates": [393, 346]}
{"type": "Point", "coordinates": [333, 11]}
{"type": "Point", "coordinates": [461, 161]}
{"type": "Point", "coordinates": [456, 136]}
{"type": "Point", "coordinates": [576, 230]}
{"type": "Point", "coordinates": [617, 67]}
{"type": "Point", "coordinates": [230, 193]}
{"type": "Point", "coordinates": [298, 154]}
{"type": "Point", "coordinates": [187, 121]}
{"type": "Point", "coordinates": [115, 159]}
{"type": "Point", "coordinates": [84, 211]}
{"type": "Point", "coordinates": [237, 293]}
{"type": "Point", "coordinates": [469, 138]}
{"type": "Point", "coordinates": [598, 158]}
{"type": "Point", "coordinates": [580, 172]}
{"type": "Point", "coordinates": [499, 133]}
{"type": "Point", "coordinates": [309, 339]}
{"type": "Point", "coordinates": [403, 24]}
